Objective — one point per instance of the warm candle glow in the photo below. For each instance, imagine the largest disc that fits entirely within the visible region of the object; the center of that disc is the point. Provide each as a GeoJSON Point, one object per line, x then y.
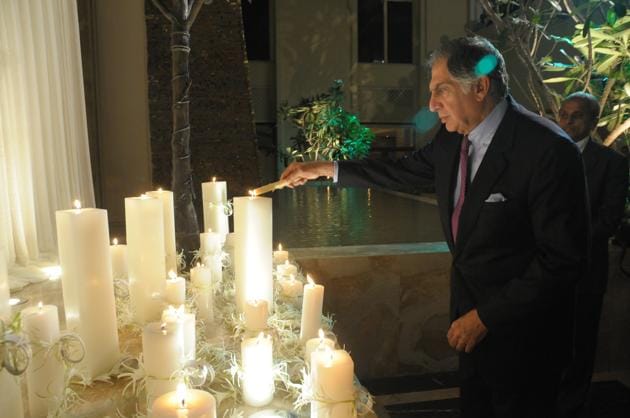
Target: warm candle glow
{"type": "Point", "coordinates": [159, 189]}
{"type": "Point", "coordinates": [261, 337]}
{"type": "Point", "coordinates": [214, 179]}
{"type": "Point", "coordinates": [163, 328]}
{"type": "Point", "coordinates": [115, 241]}
{"type": "Point", "coordinates": [209, 230]}
{"type": "Point", "coordinates": [321, 335]}
{"type": "Point", "coordinates": [40, 306]}
{"type": "Point", "coordinates": [181, 394]}
{"type": "Point", "coordinates": [172, 275]}
{"type": "Point", "coordinates": [77, 204]}
{"type": "Point", "coordinates": [252, 193]}
{"type": "Point", "coordinates": [279, 247]}
{"type": "Point", "coordinates": [310, 281]}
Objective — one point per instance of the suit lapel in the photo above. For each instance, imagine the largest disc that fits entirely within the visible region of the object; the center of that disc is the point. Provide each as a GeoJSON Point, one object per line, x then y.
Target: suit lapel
{"type": "Point", "coordinates": [446, 172]}
{"type": "Point", "coordinates": [491, 168]}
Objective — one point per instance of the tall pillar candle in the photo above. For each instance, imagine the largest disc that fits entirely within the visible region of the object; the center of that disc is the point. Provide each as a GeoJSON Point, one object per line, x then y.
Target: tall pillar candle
{"type": "Point", "coordinates": [185, 323]}
{"type": "Point", "coordinates": [214, 196]}
{"type": "Point", "coordinates": [146, 256]}
{"type": "Point", "coordinates": [312, 305]}
{"type": "Point", "coordinates": [168, 213]}
{"type": "Point", "coordinates": [44, 376]}
{"type": "Point", "coordinates": [253, 264]}
{"type": "Point", "coordinates": [201, 282]}
{"type": "Point", "coordinates": [87, 285]}
{"type": "Point", "coordinates": [257, 365]}
{"type": "Point", "coordinates": [175, 290]}
{"type": "Point", "coordinates": [210, 242]}
{"type": "Point", "coordinates": [119, 260]}
{"type": "Point", "coordinates": [163, 353]}
{"type": "Point", "coordinates": [332, 374]}
{"type": "Point", "coordinates": [184, 403]}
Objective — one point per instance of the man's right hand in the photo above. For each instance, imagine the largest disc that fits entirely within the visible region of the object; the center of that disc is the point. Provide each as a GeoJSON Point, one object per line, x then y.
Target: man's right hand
{"type": "Point", "coordinates": [296, 174]}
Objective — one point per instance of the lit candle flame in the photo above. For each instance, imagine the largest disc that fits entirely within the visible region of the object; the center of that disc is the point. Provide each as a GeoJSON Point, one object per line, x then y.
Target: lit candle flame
{"type": "Point", "coordinates": [261, 336]}
{"type": "Point", "coordinates": [160, 189]}
{"type": "Point", "coordinates": [77, 204]}
{"type": "Point", "coordinates": [172, 275]}
{"type": "Point", "coordinates": [181, 394]}
{"type": "Point", "coordinates": [252, 193]}
{"type": "Point", "coordinates": [40, 305]}
{"type": "Point", "coordinates": [163, 328]}
{"type": "Point", "coordinates": [209, 230]}
{"type": "Point", "coordinates": [115, 241]}
{"type": "Point", "coordinates": [214, 179]}
{"type": "Point", "coordinates": [321, 334]}
{"type": "Point", "coordinates": [279, 247]}
{"type": "Point", "coordinates": [310, 280]}
{"type": "Point", "coordinates": [198, 264]}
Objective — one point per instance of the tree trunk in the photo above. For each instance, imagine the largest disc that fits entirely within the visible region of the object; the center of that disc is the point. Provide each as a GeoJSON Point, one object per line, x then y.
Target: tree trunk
{"type": "Point", "coordinates": [182, 14]}
{"type": "Point", "coordinates": [186, 225]}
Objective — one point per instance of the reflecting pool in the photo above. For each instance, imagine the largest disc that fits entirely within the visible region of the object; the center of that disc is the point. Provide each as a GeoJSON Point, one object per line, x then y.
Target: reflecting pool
{"type": "Point", "coordinates": [328, 216]}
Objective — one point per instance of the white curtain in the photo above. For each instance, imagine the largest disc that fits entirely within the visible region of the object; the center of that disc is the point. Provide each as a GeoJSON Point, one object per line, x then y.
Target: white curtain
{"type": "Point", "coordinates": [44, 152]}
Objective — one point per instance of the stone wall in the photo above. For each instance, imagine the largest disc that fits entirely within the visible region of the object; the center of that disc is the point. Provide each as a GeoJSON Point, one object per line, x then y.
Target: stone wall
{"type": "Point", "coordinates": [223, 140]}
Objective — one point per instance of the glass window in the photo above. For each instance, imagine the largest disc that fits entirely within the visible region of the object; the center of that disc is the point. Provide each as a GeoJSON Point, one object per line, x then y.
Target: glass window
{"type": "Point", "coordinates": [371, 30]}
{"type": "Point", "coordinates": [256, 27]}
{"type": "Point", "coordinates": [399, 32]}
{"type": "Point", "coordinates": [385, 31]}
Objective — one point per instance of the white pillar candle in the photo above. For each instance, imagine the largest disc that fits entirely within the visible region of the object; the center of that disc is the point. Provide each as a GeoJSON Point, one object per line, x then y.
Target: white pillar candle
{"type": "Point", "coordinates": [290, 287]}
{"type": "Point", "coordinates": [168, 216]}
{"type": "Point", "coordinates": [185, 323]}
{"type": "Point", "coordinates": [87, 285]}
{"type": "Point", "coordinates": [280, 256]}
{"type": "Point", "coordinates": [5, 307]}
{"type": "Point", "coordinates": [10, 395]}
{"type": "Point", "coordinates": [201, 282]}
{"type": "Point", "coordinates": [286, 269]}
{"type": "Point", "coordinates": [215, 263]}
{"type": "Point", "coordinates": [119, 260]}
{"type": "Point", "coordinates": [214, 196]}
{"type": "Point", "coordinates": [256, 315]}
{"type": "Point", "coordinates": [184, 403]}
{"type": "Point", "coordinates": [320, 343]}
{"type": "Point", "coordinates": [44, 376]}
{"type": "Point", "coordinates": [332, 374]}
{"type": "Point", "coordinates": [210, 242]}
{"type": "Point", "coordinates": [145, 246]}
{"type": "Point", "coordinates": [257, 366]}
{"type": "Point", "coordinates": [162, 353]}
{"type": "Point", "coordinates": [175, 289]}
{"type": "Point", "coordinates": [253, 264]}
{"type": "Point", "coordinates": [312, 304]}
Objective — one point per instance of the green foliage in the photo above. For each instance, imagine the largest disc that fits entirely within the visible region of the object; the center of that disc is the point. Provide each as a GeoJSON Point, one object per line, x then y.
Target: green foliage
{"type": "Point", "coordinates": [326, 131]}
{"type": "Point", "coordinates": [601, 65]}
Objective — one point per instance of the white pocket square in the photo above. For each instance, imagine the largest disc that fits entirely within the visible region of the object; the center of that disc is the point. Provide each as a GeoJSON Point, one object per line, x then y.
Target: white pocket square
{"type": "Point", "coordinates": [496, 197]}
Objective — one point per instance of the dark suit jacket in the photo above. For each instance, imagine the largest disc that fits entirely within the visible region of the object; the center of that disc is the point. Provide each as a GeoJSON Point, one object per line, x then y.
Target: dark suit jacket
{"type": "Point", "coordinates": [607, 180]}
{"type": "Point", "coordinates": [516, 261]}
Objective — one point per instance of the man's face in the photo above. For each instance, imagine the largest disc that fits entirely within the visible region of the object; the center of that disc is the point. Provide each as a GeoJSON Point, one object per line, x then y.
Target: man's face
{"type": "Point", "coordinates": [459, 111]}
{"type": "Point", "coordinates": [575, 119]}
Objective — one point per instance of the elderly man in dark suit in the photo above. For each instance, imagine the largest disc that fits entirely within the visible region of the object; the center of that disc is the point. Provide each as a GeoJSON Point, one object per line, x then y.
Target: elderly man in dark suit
{"type": "Point", "coordinates": [511, 193]}
{"type": "Point", "coordinates": [607, 180]}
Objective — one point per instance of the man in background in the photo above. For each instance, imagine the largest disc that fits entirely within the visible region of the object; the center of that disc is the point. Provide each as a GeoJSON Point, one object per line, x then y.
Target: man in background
{"type": "Point", "coordinates": [607, 180]}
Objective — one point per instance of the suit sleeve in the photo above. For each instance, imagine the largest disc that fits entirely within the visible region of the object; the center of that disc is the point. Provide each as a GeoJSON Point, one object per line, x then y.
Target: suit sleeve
{"type": "Point", "coordinates": [415, 170]}
{"type": "Point", "coordinates": [559, 225]}
{"type": "Point", "coordinates": [607, 216]}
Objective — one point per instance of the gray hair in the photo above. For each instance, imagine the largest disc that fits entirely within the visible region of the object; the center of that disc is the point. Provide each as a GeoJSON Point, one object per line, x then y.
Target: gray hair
{"type": "Point", "coordinates": [588, 100]}
{"type": "Point", "coordinates": [466, 56]}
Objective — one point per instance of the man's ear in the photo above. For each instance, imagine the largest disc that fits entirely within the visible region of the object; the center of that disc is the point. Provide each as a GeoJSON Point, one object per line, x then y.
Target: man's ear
{"type": "Point", "coordinates": [482, 88]}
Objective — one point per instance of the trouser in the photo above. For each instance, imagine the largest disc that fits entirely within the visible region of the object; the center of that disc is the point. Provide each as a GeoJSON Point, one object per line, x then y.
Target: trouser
{"type": "Point", "coordinates": [576, 380]}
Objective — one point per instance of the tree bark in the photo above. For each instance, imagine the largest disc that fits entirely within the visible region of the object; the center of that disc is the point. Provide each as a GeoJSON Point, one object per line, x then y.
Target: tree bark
{"type": "Point", "coordinates": [181, 14]}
